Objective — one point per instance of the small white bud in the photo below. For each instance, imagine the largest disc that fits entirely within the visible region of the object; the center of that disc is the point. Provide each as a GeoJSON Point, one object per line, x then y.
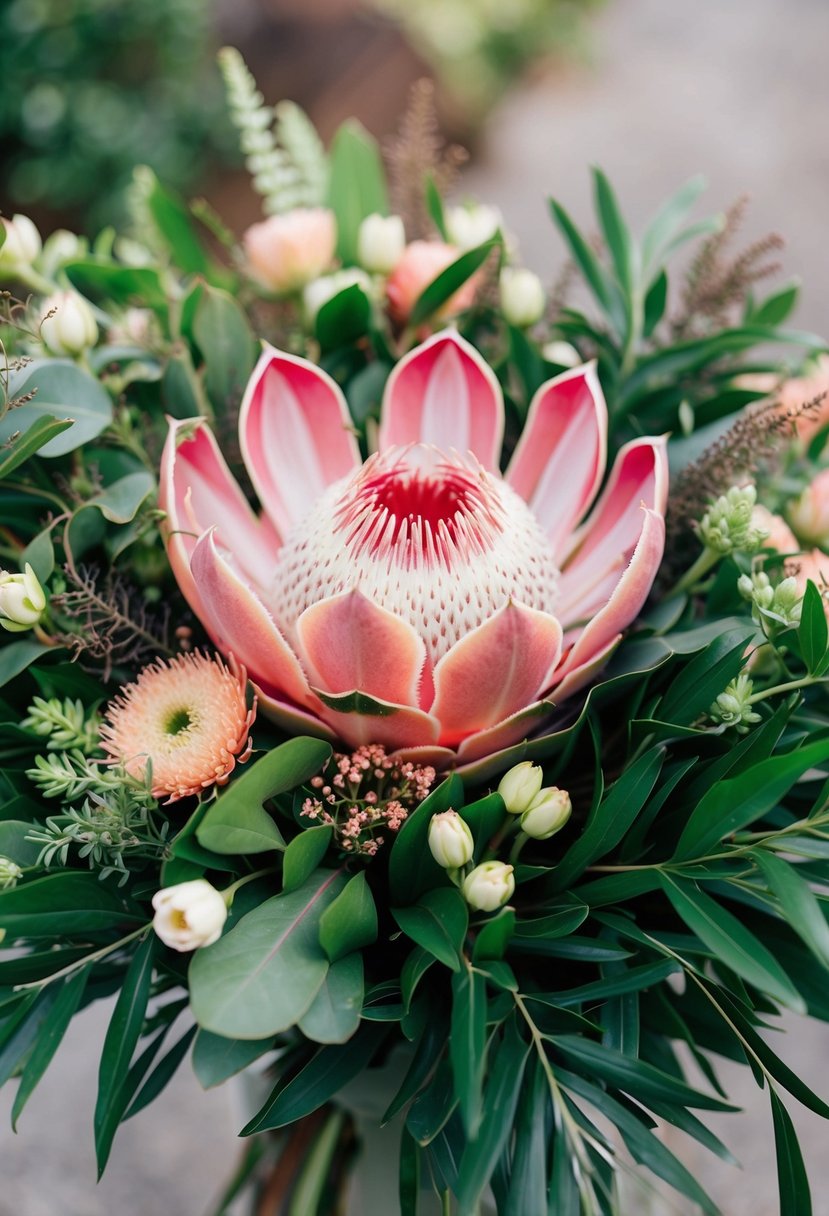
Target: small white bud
{"type": "Point", "coordinates": [522, 297]}
{"type": "Point", "coordinates": [488, 886]}
{"type": "Point", "coordinates": [320, 291]}
{"type": "Point", "coordinates": [10, 872]}
{"type": "Point", "coordinates": [189, 915]}
{"type": "Point", "coordinates": [733, 706]}
{"type": "Point", "coordinates": [467, 227]}
{"type": "Point", "coordinates": [22, 600]}
{"type": "Point", "coordinates": [520, 785]}
{"type": "Point", "coordinates": [71, 328]}
{"type": "Point", "coordinates": [562, 353]}
{"type": "Point", "coordinates": [547, 813]}
{"type": "Point", "coordinates": [380, 243]}
{"type": "Point", "coordinates": [450, 840]}
{"type": "Point", "coordinates": [22, 243]}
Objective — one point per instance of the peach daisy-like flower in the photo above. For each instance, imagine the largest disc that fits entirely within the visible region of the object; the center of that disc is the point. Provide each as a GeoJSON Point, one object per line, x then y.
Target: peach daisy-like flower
{"type": "Point", "coordinates": [188, 718]}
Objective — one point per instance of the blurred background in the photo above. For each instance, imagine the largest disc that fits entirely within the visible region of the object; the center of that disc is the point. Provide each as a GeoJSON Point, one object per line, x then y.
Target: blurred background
{"type": "Point", "coordinates": [537, 90]}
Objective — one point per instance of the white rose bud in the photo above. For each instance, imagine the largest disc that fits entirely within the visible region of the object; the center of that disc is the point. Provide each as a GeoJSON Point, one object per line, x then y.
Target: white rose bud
{"type": "Point", "coordinates": [450, 840]}
{"type": "Point", "coordinates": [62, 246]}
{"type": "Point", "coordinates": [320, 291]}
{"type": "Point", "coordinates": [562, 353]}
{"type": "Point", "coordinates": [380, 243]}
{"type": "Point", "coordinates": [488, 886]}
{"type": "Point", "coordinates": [520, 785]}
{"type": "Point", "coordinates": [22, 243]}
{"type": "Point", "coordinates": [522, 297]}
{"type": "Point", "coordinates": [547, 813]}
{"type": "Point", "coordinates": [72, 327]}
{"type": "Point", "coordinates": [22, 600]}
{"type": "Point", "coordinates": [467, 227]}
{"type": "Point", "coordinates": [189, 915]}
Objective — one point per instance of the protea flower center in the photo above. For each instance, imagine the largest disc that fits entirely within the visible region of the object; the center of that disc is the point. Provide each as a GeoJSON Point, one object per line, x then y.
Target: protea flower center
{"type": "Point", "coordinates": [435, 539]}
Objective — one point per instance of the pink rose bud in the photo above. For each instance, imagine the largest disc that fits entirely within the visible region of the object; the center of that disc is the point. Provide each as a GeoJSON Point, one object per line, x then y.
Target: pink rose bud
{"type": "Point", "coordinates": [420, 265]}
{"type": "Point", "coordinates": [779, 535]}
{"type": "Point", "coordinates": [809, 514]}
{"type": "Point", "coordinates": [285, 252]}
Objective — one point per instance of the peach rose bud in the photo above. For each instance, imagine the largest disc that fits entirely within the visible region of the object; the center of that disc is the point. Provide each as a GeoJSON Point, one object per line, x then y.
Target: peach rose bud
{"type": "Point", "coordinates": [285, 252]}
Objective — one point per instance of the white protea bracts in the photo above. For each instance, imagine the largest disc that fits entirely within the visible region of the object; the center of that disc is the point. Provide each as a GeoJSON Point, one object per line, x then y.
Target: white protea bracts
{"type": "Point", "coordinates": [419, 600]}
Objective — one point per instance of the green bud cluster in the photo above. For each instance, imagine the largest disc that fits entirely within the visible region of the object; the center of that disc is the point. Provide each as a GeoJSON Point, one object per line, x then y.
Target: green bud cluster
{"type": "Point", "coordinates": [779, 606]}
{"type": "Point", "coordinates": [728, 525]}
{"type": "Point", "coordinates": [733, 706]}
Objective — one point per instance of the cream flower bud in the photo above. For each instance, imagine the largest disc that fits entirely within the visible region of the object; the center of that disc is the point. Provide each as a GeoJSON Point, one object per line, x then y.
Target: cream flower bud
{"type": "Point", "coordinates": [522, 297]}
{"type": "Point", "coordinates": [562, 353]}
{"type": "Point", "coordinates": [488, 886]}
{"type": "Point", "coordinates": [22, 600]}
{"type": "Point", "coordinates": [320, 291]}
{"type": "Point", "coordinates": [287, 251]}
{"type": "Point", "coordinates": [380, 243]}
{"type": "Point", "coordinates": [450, 840]}
{"type": "Point", "coordinates": [189, 915]}
{"type": "Point", "coordinates": [10, 872]}
{"type": "Point", "coordinates": [547, 813]}
{"type": "Point", "coordinates": [71, 328]}
{"type": "Point", "coordinates": [22, 243]}
{"type": "Point", "coordinates": [62, 246]}
{"type": "Point", "coordinates": [467, 227]}
{"type": "Point", "coordinates": [520, 785]}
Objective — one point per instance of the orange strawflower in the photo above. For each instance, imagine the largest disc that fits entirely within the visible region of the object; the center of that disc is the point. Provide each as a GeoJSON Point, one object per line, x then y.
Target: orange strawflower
{"type": "Point", "coordinates": [188, 718]}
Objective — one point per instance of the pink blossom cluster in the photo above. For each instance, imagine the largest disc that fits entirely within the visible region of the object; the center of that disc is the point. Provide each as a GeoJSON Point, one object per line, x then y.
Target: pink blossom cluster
{"type": "Point", "coordinates": [363, 792]}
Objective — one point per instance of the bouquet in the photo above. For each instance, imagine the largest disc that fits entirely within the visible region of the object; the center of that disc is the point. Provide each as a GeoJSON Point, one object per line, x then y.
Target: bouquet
{"type": "Point", "coordinates": [414, 678]}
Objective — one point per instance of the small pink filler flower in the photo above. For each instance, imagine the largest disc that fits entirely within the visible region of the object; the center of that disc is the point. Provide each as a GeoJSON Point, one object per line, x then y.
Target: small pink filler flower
{"type": "Point", "coordinates": [188, 718]}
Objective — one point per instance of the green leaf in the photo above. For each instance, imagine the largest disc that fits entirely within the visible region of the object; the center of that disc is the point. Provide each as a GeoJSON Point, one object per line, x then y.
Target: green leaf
{"type": "Point", "coordinates": [528, 1176]}
{"type": "Point", "coordinates": [813, 631]}
{"type": "Point", "coordinates": [350, 922]}
{"type": "Point", "coordinates": [50, 1035]}
{"type": "Point", "coordinates": [438, 923]}
{"type": "Point", "coordinates": [172, 219]}
{"type": "Point", "coordinates": [121, 1040]}
{"type": "Point", "coordinates": [776, 308]}
{"type": "Point", "coordinates": [109, 283]}
{"type": "Point", "coordinates": [792, 1180]}
{"type": "Point", "coordinates": [484, 818]}
{"type": "Point", "coordinates": [334, 1013]}
{"type": "Point", "coordinates": [612, 818]}
{"type": "Point", "coordinates": [632, 979]}
{"type": "Point", "coordinates": [40, 554]}
{"type": "Point", "coordinates": [412, 868]}
{"type": "Point", "coordinates": [15, 846]}
{"type": "Point", "coordinates": [62, 390]}
{"type": "Point", "coordinates": [799, 904]}
{"type": "Point", "coordinates": [667, 221]}
{"type": "Point", "coordinates": [450, 280]}
{"type": "Point", "coordinates": [480, 1156]}
{"type": "Point", "coordinates": [493, 938]}
{"type": "Point", "coordinates": [616, 234]}
{"type": "Point", "coordinates": [343, 319]}
{"type": "Point", "coordinates": [62, 904]}
{"type": "Point", "coordinates": [733, 804]}
{"type": "Point", "coordinates": [162, 1074]}
{"type": "Point", "coordinates": [237, 822]}
{"type": "Point", "coordinates": [35, 437]}
{"type": "Point", "coordinates": [261, 977]}
{"type": "Point", "coordinates": [216, 1058]}
{"type": "Point", "coordinates": [227, 346]}
{"type": "Point", "coordinates": [467, 1044]}
{"type": "Point", "coordinates": [303, 854]}
{"type": "Point", "coordinates": [703, 679]}
{"type": "Point", "coordinates": [731, 942]}
{"type": "Point", "coordinates": [357, 186]}
{"type": "Point", "coordinates": [17, 656]}
{"type": "Point", "coordinates": [635, 1077]}
{"type": "Point", "coordinates": [598, 280]}
{"type": "Point", "coordinates": [655, 302]}
{"type": "Point", "coordinates": [434, 205]}
{"type": "Point", "coordinates": [323, 1076]}
{"type": "Point", "coordinates": [20, 1032]}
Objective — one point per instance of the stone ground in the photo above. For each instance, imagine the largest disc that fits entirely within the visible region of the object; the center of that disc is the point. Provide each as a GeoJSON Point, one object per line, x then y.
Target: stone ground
{"type": "Point", "coordinates": [740, 92]}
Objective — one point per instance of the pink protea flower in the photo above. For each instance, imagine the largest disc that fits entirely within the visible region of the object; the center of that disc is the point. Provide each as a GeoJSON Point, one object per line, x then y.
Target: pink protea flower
{"type": "Point", "coordinates": [187, 718]}
{"type": "Point", "coordinates": [418, 600]}
{"type": "Point", "coordinates": [420, 263]}
{"type": "Point", "coordinates": [286, 251]}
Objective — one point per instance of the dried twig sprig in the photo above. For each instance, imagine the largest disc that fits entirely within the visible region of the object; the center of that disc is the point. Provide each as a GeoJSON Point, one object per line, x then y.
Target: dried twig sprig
{"type": "Point", "coordinates": [111, 623]}
{"type": "Point", "coordinates": [719, 281]}
{"type": "Point", "coordinates": [416, 152]}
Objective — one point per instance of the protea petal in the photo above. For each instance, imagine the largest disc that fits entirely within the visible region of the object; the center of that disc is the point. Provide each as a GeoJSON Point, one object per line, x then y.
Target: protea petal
{"type": "Point", "coordinates": [443, 393]}
{"type": "Point", "coordinates": [560, 458]}
{"type": "Point", "coordinates": [240, 624]}
{"type": "Point", "coordinates": [580, 676]}
{"type": "Point", "coordinates": [198, 491]}
{"type": "Point", "coordinates": [289, 718]}
{"type": "Point", "coordinates": [296, 435]}
{"type": "Point", "coordinates": [495, 670]}
{"type": "Point", "coordinates": [507, 733]}
{"type": "Point", "coordinates": [602, 547]}
{"type": "Point", "coordinates": [625, 602]}
{"type": "Point", "coordinates": [347, 643]}
{"type": "Point", "coordinates": [380, 721]}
